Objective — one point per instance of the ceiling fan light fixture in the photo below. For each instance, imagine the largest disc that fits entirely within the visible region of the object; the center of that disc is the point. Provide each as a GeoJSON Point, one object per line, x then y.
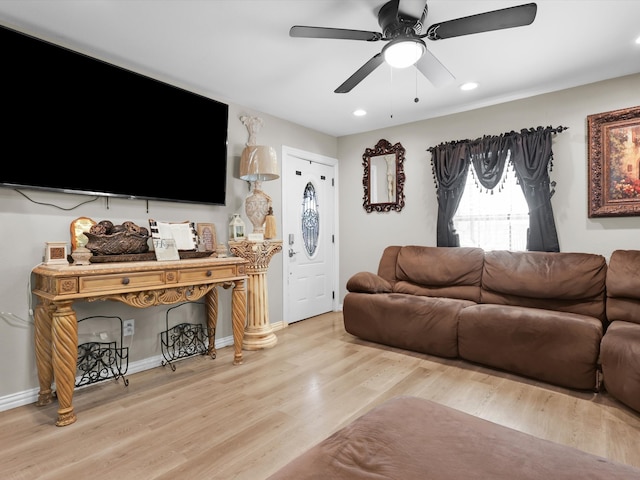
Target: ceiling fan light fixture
{"type": "Point", "coordinates": [403, 52]}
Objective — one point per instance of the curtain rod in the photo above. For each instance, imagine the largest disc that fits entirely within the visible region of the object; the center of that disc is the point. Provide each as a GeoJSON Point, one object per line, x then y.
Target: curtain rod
{"type": "Point", "coordinates": [523, 131]}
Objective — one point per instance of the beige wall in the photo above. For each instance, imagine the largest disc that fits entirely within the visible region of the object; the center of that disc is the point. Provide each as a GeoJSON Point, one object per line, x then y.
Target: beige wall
{"type": "Point", "coordinates": [363, 235]}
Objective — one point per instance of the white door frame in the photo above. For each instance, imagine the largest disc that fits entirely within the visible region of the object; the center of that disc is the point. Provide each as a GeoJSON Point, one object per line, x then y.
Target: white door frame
{"type": "Point", "coordinates": [287, 153]}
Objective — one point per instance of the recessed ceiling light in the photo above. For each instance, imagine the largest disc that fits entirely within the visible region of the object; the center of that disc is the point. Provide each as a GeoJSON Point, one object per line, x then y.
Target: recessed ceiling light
{"type": "Point", "coordinates": [469, 86]}
{"type": "Point", "coordinates": [360, 112]}
{"type": "Point", "coordinates": [638, 40]}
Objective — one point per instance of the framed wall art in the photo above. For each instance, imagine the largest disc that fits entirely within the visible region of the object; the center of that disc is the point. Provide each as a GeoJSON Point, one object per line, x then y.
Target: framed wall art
{"type": "Point", "coordinates": [207, 236]}
{"type": "Point", "coordinates": [614, 163]}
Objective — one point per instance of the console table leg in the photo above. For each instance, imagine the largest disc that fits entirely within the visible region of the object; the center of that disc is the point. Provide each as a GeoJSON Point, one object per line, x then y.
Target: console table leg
{"type": "Point", "coordinates": [42, 324]}
{"type": "Point", "coordinates": [239, 314]}
{"type": "Point", "coordinates": [65, 357]}
{"type": "Point", "coordinates": [211, 301]}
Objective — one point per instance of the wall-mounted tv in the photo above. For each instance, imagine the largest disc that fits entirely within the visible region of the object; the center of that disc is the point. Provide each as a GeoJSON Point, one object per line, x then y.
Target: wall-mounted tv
{"type": "Point", "coordinates": [76, 124]}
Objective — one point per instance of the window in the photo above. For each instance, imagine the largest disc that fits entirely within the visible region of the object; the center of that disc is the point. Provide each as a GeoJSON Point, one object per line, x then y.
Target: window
{"type": "Point", "coordinates": [497, 219]}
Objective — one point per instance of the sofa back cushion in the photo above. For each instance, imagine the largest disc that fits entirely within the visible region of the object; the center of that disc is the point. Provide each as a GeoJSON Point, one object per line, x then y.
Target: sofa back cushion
{"type": "Point", "coordinates": [570, 282]}
{"type": "Point", "coordinates": [623, 286]}
{"type": "Point", "coordinates": [453, 272]}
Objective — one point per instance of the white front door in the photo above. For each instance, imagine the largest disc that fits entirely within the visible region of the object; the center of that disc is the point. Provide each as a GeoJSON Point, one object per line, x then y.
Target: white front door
{"type": "Point", "coordinates": [309, 234]}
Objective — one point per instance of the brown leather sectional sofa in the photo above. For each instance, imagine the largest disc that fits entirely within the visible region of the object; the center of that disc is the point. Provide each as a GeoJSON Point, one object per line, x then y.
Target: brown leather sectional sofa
{"type": "Point", "coordinates": [540, 315]}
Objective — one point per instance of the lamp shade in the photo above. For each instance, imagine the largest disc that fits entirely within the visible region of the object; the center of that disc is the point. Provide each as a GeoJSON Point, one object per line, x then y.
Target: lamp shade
{"type": "Point", "coordinates": [259, 163]}
{"type": "Point", "coordinates": [403, 52]}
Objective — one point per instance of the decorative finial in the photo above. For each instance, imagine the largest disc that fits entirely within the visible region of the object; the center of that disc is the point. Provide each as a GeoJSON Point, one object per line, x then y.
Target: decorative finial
{"type": "Point", "coordinates": [253, 125]}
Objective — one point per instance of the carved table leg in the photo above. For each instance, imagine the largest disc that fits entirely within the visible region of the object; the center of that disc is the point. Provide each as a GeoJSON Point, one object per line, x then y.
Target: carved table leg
{"type": "Point", "coordinates": [211, 301]}
{"type": "Point", "coordinates": [239, 314]}
{"type": "Point", "coordinates": [42, 320]}
{"type": "Point", "coordinates": [65, 357]}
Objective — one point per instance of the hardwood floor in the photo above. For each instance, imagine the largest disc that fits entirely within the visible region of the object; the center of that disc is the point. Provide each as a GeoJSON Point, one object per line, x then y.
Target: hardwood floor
{"type": "Point", "coordinates": [210, 419]}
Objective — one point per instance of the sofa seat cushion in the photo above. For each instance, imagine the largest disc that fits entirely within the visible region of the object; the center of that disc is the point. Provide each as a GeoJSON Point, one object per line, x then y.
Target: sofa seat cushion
{"type": "Point", "coordinates": [620, 358]}
{"type": "Point", "coordinates": [555, 347]}
{"type": "Point", "coordinates": [421, 324]}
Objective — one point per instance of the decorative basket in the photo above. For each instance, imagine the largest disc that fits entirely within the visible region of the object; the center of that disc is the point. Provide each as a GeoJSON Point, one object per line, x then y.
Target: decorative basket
{"type": "Point", "coordinates": [117, 244]}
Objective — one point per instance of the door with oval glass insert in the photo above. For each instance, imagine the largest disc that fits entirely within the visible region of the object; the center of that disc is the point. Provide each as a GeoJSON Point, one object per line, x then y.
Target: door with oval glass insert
{"type": "Point", "coordinates": [309, 247]}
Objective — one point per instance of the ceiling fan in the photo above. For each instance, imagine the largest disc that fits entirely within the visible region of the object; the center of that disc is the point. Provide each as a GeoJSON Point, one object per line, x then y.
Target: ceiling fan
{"type": "Point", "coordinates": [406, 45]}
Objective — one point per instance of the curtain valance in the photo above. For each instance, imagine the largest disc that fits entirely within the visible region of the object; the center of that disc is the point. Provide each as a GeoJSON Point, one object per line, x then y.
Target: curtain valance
{"type": "Point", "coordinates": [530, 153]}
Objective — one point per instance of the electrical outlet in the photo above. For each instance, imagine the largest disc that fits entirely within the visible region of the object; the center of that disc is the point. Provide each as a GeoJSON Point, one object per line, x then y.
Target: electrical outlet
{"type": "Point", "coordinates": [128, 327]}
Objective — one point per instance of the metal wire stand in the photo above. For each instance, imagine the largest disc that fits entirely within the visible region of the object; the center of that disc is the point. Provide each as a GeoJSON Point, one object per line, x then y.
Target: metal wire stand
{"type": "Point", "coordinates": [183, 340]}
{"type": "Point", "coordinates": [99, 361]}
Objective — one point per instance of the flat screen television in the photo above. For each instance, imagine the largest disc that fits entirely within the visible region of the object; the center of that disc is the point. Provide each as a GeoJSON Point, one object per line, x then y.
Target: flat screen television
{"type": "Point", "coordinates": [76, 124]}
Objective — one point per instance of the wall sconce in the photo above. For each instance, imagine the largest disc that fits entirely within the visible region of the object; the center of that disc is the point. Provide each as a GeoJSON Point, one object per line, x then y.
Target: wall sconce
{"type": "Point", "coordinates": [259, 163]}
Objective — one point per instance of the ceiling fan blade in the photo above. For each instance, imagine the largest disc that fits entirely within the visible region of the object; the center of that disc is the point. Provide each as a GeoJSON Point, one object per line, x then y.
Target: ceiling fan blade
{"type": "Point", "coordinates": [337, 33]}
{"type": "Point", "coordinates": [360, 74]}
{"type": "Point", "coordinates": [435, 71]}
{"type": "Point", "coordinates": [518, 16]}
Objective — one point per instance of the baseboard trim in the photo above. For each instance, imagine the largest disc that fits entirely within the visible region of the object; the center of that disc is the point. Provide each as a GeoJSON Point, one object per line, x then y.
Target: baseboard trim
{"type": "Point", "coordinates": [26, 397]}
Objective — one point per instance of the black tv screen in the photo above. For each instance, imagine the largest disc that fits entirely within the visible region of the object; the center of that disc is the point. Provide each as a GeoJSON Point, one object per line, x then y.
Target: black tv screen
{"type": "Point", "coordinates": [77, 124]}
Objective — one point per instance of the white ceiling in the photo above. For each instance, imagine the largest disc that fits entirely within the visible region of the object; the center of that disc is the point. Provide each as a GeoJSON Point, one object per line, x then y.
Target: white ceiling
{"type": "Point", "coordinates": [240, 51]}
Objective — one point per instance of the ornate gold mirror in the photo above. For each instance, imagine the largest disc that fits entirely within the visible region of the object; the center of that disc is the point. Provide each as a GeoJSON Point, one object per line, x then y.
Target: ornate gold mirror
{"type": "Point", "coordinates": [383, 177]}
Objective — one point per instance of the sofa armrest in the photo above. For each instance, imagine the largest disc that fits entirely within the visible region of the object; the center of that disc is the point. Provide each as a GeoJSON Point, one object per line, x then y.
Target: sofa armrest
{"type": "Point", "coordinates": [367, 282]}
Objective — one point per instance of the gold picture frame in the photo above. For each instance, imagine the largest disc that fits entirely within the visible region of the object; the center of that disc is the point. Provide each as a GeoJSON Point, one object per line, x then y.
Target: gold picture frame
{"type": "Point", "coordinates": [614, 163]}
{"type": "Point", "coordinates": [77, 229]}
{"type": "Point", "coordinates": [207, 236]}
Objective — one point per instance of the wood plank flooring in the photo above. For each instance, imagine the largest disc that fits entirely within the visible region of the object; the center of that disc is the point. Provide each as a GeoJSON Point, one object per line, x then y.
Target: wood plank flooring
{"type": "Point", "coordinates": [211, 419]}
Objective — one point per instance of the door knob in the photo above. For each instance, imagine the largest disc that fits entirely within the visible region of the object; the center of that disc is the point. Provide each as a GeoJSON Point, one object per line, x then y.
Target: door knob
{"type": "Point", "coordinates": [291, 252]}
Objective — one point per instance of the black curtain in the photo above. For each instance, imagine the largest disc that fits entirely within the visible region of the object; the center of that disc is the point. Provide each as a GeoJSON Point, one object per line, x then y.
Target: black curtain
{"type": "Point", "coordinates": [450, 169]}
{"type": "Point", "coordinates": [531, 157]}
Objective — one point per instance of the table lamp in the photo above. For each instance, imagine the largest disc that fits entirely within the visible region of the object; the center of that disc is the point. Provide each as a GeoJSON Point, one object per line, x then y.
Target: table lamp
{"type": "Point", "coordinates": [258, 163]}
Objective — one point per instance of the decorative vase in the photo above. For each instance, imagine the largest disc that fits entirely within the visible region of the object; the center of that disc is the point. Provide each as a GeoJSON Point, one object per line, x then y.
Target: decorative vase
{"type": "Point", "coordinates": [81, 256]}
{"type": "Point", "coordinates": [236, 228]}
{"type": "Point", "coordinates": [256, 207]}
{"type": "Point", "coordinates": [221, 250]}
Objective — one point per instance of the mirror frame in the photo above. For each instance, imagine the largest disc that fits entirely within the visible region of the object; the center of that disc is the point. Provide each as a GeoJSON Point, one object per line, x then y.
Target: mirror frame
{"type": "Point", "coordinates": [383, 147]}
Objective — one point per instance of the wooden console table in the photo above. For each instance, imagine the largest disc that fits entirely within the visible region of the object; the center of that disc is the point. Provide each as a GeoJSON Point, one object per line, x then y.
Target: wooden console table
{"type": "Point", "coordinates": [138, 284]}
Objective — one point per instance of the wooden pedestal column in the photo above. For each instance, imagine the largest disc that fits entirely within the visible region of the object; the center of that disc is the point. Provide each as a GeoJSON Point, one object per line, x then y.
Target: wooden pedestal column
{"type": "Point", "coordinates": [258, 333]}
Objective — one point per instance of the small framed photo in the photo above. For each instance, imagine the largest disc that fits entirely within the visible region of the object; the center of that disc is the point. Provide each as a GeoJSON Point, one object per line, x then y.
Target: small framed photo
{"type": "Point", "coordinates": [207, 236]}
{"type": "Point", "coordinates": [614, 169]}
{"type": "Point", "coordinates": [56, 253]}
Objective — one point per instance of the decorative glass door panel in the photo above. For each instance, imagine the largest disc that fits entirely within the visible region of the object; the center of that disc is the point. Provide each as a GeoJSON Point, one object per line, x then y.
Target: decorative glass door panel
{"type": "Point", "coordinates": [310, 220]}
